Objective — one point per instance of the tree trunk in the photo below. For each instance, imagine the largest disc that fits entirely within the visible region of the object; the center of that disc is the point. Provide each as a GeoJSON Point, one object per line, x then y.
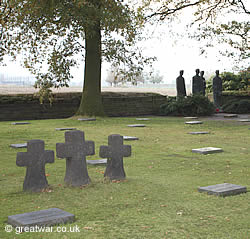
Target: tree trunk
{"type": "Point", "coordinates": [91, 102]}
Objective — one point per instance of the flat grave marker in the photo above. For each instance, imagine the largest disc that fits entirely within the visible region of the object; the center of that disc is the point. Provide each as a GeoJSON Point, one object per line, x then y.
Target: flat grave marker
{"type": "Point", "coordinates": [136, 125]}
{"type": "Point", "coordinates": [61, 129]}
{"type": "Point", "coordinates": [207, 150]}
{"type": "Point", "coordinates": [20, 123]}
{"type": "Point", "coordinates": [48, 217]}
{"type": "Point", "coordinates": [97, 162]}
{"type": "Point", "coordinates": [143, 119]}
{"type": "Point", "coordinates": [191, 117]}
{"type": "Point", "coordinates": [199, 132]}
{"type": "Point", "coordinates": [87, 119]}
{"type": "Point", "coordinates": [130, 138]}
{"type": "Point", "coordinates": [231, 116]}
{"type": "Point", "coordinates": [19, 146]}
{"type": "Point", "coordinates": [193, 122]}
{"type": "Point", "coordinates": [244, 120]}
{"type": "Point", "coordinates": [223, 190]}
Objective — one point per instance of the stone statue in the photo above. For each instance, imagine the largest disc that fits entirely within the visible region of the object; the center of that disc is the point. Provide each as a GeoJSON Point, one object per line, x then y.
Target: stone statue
{"type": "Point", "coordinates": [180, 85]}
{"type": "Point", "coordinates": [197, 83]}
{"type": "Point", "coordinates": [217, 89]}
{"type": "Point", "coordinates": [204, 83]}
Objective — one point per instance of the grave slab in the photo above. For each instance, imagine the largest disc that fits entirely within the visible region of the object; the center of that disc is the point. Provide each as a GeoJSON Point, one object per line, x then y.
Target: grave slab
{"type": "Point", "coordinates": [87, 119]}
{"type": "Point", "coordinates": [97, 162]}
{"type": "Point", "coordinates": [48, 217]}
{"type": "Point", "coordinates": [244, 120]}
{"type": "Point", "coordinates": [136, 125]}
{"type": "Point", "coordinates": [61, 129]}
{"type": "Point", "coordinates": [193, 117]}
{"type": "Point", "coordinates": [201, 132]}
{"type": "Point", "coordinates": [207, 150]}
{"type": "Point", "coordinates": [231, 116]}
{"type": "Point", "coordinates": [223, 190]}
{"type": "Point", "coordinates": [19, 146]}
{"type": "Point", "coordinates": [130, 138]}
{"type": "Point", "coordinates": [193, 122]}
{"type": "Point", "coordinates": [143, 119]}
{"type": "Point", "coordinates": [19, 123]}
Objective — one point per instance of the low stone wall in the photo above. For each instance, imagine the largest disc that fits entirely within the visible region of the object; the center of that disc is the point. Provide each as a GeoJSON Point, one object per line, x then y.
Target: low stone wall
{"type": "Point", "coordinates": [28, 107]}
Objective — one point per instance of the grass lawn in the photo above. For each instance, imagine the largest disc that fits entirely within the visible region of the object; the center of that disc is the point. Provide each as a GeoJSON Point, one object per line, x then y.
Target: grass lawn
{"type": "Point", "coordinates": [159, 198]}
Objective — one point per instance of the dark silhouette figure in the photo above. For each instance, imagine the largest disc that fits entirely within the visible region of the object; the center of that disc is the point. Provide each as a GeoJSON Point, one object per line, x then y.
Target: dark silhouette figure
{"type": "Point", "coordinates": [217, 89]}
{"type": "Point", "coordinates": [197, 83]}
{"type": "Point", "coordinates": [180, 85]}
{"type": "Point", "coordinates": [204, 83]}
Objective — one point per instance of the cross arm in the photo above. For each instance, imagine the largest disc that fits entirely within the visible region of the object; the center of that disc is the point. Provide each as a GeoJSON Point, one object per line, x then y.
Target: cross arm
{"type": "Point", "coordinates": [49, 156]}
{"type": "Point", "coordinates": [126, 150]}
{"type": "Point", "coordinates": [22, 159]}
{"type": "Point", "coordinates": [105, 152]}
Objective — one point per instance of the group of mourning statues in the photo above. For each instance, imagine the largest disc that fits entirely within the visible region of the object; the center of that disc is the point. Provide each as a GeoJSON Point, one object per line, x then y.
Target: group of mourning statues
{"type": "Point", "coordinates": [199, 85]}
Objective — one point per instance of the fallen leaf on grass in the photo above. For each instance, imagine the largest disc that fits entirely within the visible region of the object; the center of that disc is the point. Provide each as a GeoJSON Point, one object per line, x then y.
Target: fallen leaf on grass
{"type": "Point", "coordinates": [164, 205]}
{"type": "Point", "coordinates": [47, 174]}
{"type": "Point", "coordinates": [88, 228]}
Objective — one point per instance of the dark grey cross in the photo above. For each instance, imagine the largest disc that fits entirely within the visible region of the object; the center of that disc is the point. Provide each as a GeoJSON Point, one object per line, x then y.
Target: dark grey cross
{"type": "Point", "coordinates": [75, 149]}
{"type": "Point", "coordinates": [35, 159]}
{"type": "Point", "coordinates": [115, 151]}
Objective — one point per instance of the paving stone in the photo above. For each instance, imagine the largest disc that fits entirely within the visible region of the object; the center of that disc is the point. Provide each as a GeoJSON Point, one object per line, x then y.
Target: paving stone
{"type": "Point", "coordinates": [19, 123]}
{"type": "Point", "coordinates": [87, 119]}
{"type": "Point", "coordinates": [61, 129]}
{"type": "Point", "coordinates": [130, 138]}
{"type": "Point", "coordinates": [137, 125]}
{"type": "Point", "coordinates": [244, 120]}
{"type": "Point", "coordinates": [231, 116]}
{"type": "Point", "coordinates": [201, 132]}
{"type": "Point", "coordinates": [97, 162]}
{"type": "Point", "coordinates": [19, 146]}
{"type": "Point", "coordinates": [48, 217]}
{"type": "Point", "coordinates": [142, 119]}
{"type": "Point", "coordinates": [223, 190]}
{"type": "Point", "coordinates": [190, 117]}
{"type": "Point", "coordinates": [207, 150]}
{"type": "Point", "coordinates": [194, 122]}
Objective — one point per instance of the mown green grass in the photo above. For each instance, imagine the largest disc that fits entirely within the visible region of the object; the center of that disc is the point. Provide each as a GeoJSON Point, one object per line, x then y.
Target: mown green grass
{"type": "Point", "coordinates": [159, 199]}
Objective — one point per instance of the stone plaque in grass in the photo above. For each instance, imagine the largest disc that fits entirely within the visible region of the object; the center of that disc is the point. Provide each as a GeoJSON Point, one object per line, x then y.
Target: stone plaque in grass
{"type": "Point", "coordinates": [136, 125]}
{"type": "Point", "coordinates": [231, 116]}
{"type": "Point", "coordinates": [19, 146]}
{"type": "Point", "coordinates": [146, 119]}
{"type": "Point", "coordinates": [192, 117]}
{"type": "Point", "coordinates": [244, 120]}
{"type": "Point", "coordinates": [114, 152]}
{"type": "Point", "coordinates": [48, 217]}
{"type": "Point", "coordinates": [34, 160]}
{"type": "Point", "coordinates": [75, 149]}
{"type": "Point", "coordinates": [97, 162]}
{"type": "Point", "coordinates": [20, 123]}
{"type": "Point", "coordinates": [199, 132]}
{"type": "Point", "coordinates": [62, 129]}
{"type": "Point", "coordinates": [87, 119]}
{"type": "Point", "coordinates": [207, 150]}
{"type": "Point", "coordinates": [223, 190]}
{"type": "Point", "coordinates": [193, 122]}
{"type": "Point", "coordinates": [130, 138]}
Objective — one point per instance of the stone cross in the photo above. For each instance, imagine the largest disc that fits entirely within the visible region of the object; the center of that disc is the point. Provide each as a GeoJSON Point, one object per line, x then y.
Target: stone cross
{"type": "Point", "coordinates": [217, 89]}
{"type": "Point", "coordinates": [197, 84]}
{"type": "Point", "coordinates": [35, 159]}
{"type": "Point", "coordinates": [75, 149]}
{"type": "Point", "coordinates": [180, 85]}
{"type": "Point", "coordinates": [115, 151]}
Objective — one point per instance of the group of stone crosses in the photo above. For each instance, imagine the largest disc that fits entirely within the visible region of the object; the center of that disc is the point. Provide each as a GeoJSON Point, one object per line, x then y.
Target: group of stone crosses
{"type": "Point", "coordinates": [75, 149]}
{"type": "Point", "coordinates": [199, 85]}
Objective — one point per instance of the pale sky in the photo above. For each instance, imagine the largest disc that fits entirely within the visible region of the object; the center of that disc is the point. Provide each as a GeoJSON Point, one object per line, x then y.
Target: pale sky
{"type": "Point", "coordinates": [173, 54]}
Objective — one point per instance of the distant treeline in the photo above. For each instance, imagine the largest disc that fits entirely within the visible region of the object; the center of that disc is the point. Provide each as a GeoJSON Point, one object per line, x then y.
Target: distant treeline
{"type": "Point", "coordinates": [16, 80]}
